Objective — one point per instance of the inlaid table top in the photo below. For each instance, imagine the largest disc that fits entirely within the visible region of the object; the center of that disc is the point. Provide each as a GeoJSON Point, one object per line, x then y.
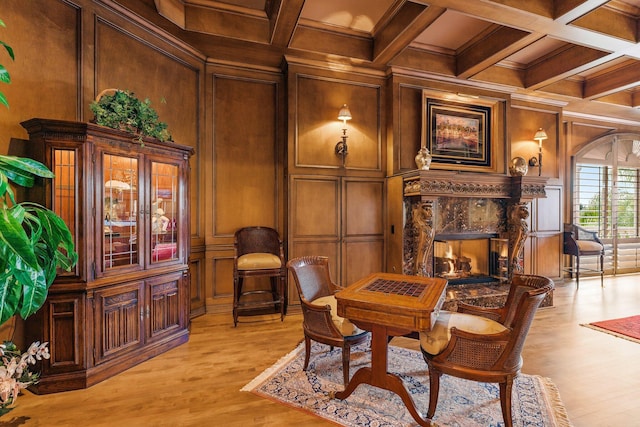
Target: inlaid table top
{"type": "Point", "coordinates": [395, 300]}
{"type": "Point", "coordinates": [389, 304]}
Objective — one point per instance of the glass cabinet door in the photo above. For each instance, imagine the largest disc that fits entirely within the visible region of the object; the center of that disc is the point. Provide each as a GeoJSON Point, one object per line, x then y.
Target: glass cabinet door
{"type": "Point", "coordinates": [120, 211]}
{"type": "Point", "coordinates": [164, 212]}
{"type": "Point", "coordinates": [64, 200]}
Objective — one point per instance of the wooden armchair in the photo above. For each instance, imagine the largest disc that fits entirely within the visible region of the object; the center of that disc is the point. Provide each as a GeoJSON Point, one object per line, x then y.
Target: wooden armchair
{"type": "Point", "coordinates": [485, 346]}
{"type": "Point", "coordinates": [321, 322]}
{"type": "Point", "coordinates": [578, 243]}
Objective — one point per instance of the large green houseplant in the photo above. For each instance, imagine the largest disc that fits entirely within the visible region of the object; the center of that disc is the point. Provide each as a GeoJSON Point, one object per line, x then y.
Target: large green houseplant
{"type": "Point", "coordinates": [34, 241]}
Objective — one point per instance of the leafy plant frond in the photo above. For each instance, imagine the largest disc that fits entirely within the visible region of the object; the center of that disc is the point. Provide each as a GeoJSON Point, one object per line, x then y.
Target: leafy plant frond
{"type": "Point", "coordinates": [9, 49]}
{"type": "Point", "coordinates": [34, 242]}
{"type": "Point", "coordinates": [122, 110]}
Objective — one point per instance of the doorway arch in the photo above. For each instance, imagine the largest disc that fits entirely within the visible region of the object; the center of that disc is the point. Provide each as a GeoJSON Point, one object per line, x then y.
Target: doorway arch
{"type": "Point", "coordinates": [606, 195]}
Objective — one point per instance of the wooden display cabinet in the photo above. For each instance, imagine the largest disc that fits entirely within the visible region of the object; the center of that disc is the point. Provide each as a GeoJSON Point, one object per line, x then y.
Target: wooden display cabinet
{"type": "Point", "coordinates": [126, 204]}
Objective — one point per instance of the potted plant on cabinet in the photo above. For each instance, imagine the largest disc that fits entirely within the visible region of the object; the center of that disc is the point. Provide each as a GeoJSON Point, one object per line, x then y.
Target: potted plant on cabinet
{"type": "Point", "coordinates": [34, 243]}
{"type": "Point", "coordinates": [121, 109]}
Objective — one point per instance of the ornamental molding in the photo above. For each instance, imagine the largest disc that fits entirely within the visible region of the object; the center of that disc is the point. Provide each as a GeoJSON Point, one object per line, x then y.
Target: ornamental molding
{"type": "Point", "coordinates": [429, 184]}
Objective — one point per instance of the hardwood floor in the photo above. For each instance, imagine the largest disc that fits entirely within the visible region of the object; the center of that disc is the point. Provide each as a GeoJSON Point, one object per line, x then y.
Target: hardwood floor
{"type": "Point", "coordinates": [198, 383]}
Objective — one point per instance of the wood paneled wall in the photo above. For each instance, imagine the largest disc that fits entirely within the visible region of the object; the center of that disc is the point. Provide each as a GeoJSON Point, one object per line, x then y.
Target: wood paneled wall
{"type": "Point", "coordinates": [335, 210]}
{"type": "Point", "coordinates": [245, 177]}
{"type": "Point", "coordinates": [543, 249]}
{"type": "Point", "coordinates": [264, 137]}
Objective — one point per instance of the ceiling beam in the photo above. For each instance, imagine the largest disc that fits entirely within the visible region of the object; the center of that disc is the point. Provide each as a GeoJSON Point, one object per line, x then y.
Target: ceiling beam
{"type": "Point", "coordinates": [283, 18]}
{"type": "Point", "coordinates": [611, 22]}
{"type": "Point", "coordinates": [619, 79]}
{"type": "Point", "coordinates": [250, 26]}
{"type": "Point", "coordinates": [565, 63]}
{"type": "Point", "coordinates": [331, 43]}
{"type": "Point", "coordinates": [408, 23]}
{"type": "Point", "coordinates": [173, 10]}
{"type": "Point", "coordinates": [496, 46]}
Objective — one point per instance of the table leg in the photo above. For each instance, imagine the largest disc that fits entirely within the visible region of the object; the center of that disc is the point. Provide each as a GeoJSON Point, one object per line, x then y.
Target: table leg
{"type": "Point", "coordinates": [378, 376]}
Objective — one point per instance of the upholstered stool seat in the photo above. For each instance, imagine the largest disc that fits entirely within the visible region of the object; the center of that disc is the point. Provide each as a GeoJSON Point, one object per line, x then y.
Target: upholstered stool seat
{"type": "Point", "coordinates": [258, 261]}
{"type": "Point", "coordinates": [344, 325]}
{"type": "Point", "coordinates": [437, 339]}
{"type": "Point", "coordinates": [589, 246]}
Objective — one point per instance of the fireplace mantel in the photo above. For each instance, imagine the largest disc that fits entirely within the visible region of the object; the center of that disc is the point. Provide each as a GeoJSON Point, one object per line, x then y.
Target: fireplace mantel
{"type": "Point", "coordinates": [426, 193]}
{"type": "Point", "coordinates": [430, 183]}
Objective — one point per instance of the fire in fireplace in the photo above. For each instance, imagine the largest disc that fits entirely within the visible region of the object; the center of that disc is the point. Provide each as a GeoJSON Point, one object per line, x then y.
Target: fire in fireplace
{"type": "Point", "coordinates": [470, 258]}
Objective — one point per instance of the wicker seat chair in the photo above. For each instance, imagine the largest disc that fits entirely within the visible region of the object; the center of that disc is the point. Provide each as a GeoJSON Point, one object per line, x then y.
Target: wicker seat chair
{"type": "Point", "coordinates": [579, 242]}
{"type": "Point", "coordinates": [485, 346]}
{"type": "Point", "coordinates": [321, 322]}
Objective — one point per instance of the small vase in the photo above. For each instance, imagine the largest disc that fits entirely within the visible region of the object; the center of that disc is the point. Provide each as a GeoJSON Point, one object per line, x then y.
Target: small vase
{"type": "Point", "coordinates": [423, 159]}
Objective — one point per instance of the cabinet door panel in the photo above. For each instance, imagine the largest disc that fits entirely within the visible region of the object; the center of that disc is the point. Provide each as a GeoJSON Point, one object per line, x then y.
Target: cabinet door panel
{"type": "Point", "coordinates": [63, 314]}
{"type": "Point", "coordinates": [164, 311]}
{"type": "Point", "coordinates": [118, 320]}
{"type": "Point", "coordinates": [165, 212]}
{"type": "Point", "coordinates": [120, 211]}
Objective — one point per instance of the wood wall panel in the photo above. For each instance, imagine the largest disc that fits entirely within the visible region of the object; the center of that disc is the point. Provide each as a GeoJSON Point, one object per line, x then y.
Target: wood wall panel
{"type": "Point", "coordinates": [410, 127]}
{"type": "Point", "coordinates": [219, 282]}
{"type": "Point", "coordinates": [196, 288]}
{"type": "Point", "coordinates": [318, 129]}
{"type": "Point", "coordinates": [364, 207]}
{"type": "Point", "coordinates": [361, 259]}
{"type": "Point", "coordinates": [245, 154]}
{"type": "Point", "coordinates": [45, 76]}
{"type": "Point", "coordinates": [172, 86]}
{"type": "Point", "coordinates": [330, 249]}
{"type": "Point", "coordinates": [549, 217]}
{"type": "Point", "coordinates": [523, 145]}
{"type": "Point", "coordinates": [315, 203]}
{"type": "Point", "coordinates": [547, 253]}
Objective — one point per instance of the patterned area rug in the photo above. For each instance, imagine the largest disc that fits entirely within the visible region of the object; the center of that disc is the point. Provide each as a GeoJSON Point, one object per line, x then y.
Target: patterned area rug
{"type": "Point", "coordinates": [625, 327]}
{"type": "Point", "coordinates": [536, 401]}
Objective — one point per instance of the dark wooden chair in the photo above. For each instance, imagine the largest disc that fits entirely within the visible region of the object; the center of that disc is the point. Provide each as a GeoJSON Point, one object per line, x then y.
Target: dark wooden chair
{"type": "Point", "coordinates": [259, 252]}
{"type": "Point", "coordinates": [485, 346]}
{"type": "Point", "coordinates": [579, 242]}
{"type": "Point", "coordinates": [321, 322]}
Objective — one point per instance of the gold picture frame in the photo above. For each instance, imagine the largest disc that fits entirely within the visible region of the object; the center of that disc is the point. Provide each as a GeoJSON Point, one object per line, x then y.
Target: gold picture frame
{"type": "Point", "coordinates": [459, 132]}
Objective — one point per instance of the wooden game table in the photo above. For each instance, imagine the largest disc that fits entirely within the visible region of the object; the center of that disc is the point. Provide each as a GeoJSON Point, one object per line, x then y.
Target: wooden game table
{"type": "Point", "coordinates": [390, 305]}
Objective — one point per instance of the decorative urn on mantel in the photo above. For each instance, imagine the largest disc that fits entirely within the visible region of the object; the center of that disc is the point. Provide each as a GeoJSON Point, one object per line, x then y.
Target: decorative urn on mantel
{"type": "Point", "coordinates": [423, 159]}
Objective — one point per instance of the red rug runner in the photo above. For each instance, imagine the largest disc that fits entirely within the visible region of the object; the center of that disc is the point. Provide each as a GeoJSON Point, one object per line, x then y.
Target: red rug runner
{"type": "Point", "coordinates": [625, 327]}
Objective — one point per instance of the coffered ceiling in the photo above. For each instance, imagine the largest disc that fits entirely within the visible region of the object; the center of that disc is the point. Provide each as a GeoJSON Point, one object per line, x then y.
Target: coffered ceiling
{"type": "Point", "coordinates": [582, 54]}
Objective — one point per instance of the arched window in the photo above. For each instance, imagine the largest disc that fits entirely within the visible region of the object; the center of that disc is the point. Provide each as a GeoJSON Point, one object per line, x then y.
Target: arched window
{"type": "Point", "coordinates": [605, 197]}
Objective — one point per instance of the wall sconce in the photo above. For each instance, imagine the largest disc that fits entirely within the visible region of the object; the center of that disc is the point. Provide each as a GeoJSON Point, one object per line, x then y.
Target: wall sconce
{"type": "Point", "coordinates": [540, 136]}
{"type": "Point", "coordinates": [341, 146]}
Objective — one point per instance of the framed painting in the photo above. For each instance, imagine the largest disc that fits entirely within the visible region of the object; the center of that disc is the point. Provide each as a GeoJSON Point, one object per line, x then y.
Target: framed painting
{"type": "Point", "coordinates": [458, 134]}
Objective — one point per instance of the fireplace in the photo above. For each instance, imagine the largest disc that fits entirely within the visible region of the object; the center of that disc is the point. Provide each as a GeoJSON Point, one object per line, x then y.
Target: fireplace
{"type": "Point", "coordinates": [470, 258]}
{"type": "Point", "coordinates": [484, 212]}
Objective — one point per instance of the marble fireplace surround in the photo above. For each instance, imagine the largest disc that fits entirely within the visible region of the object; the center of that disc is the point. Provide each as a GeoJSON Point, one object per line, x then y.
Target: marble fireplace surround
{"type": "Point", "coordinates": [464, 205]}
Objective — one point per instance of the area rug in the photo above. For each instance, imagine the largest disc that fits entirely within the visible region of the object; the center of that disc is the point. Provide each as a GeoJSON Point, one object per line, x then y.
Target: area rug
{"type": "Point", "coordinates": [625, 327]}
{"type": "Point", "coordinates": [536, 401]}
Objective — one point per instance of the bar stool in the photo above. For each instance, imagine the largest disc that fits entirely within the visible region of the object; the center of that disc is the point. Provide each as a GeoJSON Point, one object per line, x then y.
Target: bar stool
{"type": "Point", "coordinates": [259, 252]}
